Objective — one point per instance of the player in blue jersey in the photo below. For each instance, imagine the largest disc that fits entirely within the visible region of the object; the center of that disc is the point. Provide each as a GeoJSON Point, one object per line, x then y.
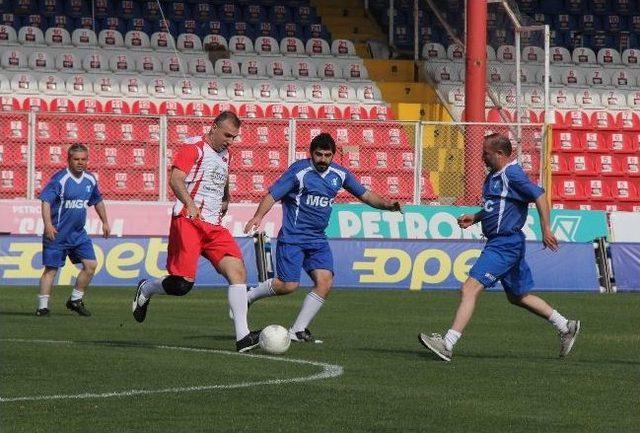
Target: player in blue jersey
{"type": "Point", "coordinates": [65, 200]}
{"type": "Point", "coordinates": [307, 191]}
{"type": "Point", "coordinates": [506, 194]}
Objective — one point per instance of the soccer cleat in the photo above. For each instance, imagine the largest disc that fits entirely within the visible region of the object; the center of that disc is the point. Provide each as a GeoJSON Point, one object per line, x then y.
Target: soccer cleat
{"type": "Point", "coordinates": [435, 343]}
{"type": "Point", "coordinates": [249, 341]}
{"type": "Point", "coordinates": [139, 311]}
{"type": "Point", "coordinates": [78, 307]}
{"type": "Point", "coordinates": [568, 338]}
{"type": "Point", "coordinates": [41, 312]}
{"type": "Point", "coordinates": [303, 336]}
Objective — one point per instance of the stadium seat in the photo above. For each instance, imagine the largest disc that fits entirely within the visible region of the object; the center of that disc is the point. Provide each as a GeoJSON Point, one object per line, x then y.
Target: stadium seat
{"type": "Point", "coordinates": [250, 110]}
{"type": "Point", "coordinates": [613, 100]}
{"type": "Point", "coordinates": [588, 100]}
{"type": "Point", "coordinates": [137, 40]}
{"type": "Point", "coordinates": [174, 65]}
{"type": "Point", "coordinates": [51, 84]}
{"type": "Point", "coordinates": [240, 90]}
{"type": "Point", "coordinates": [292, 46]}
{"type": "Point", "coordinates": [84, 38]}
{"type": "Point", "coordinates": [14, 59]}
{"type": "Point", "coordinates": [318, 93]}
{"type": "Point", "coordinates": [171, 108]}
{"type": "Point", "coordinates": [133, 87]}
{"type": "Point", "coordinates": [144, 107]}
{"type": "Point", "coordinates": [30, 36]}
{"type": "Point", "coordinates": [630, 57]}
{"type": "Point", "coordinates": [343, 48]}
{"type": "Point", "coordinates": [148, 64]}
{"type": "Point", "coordinates": [68, 62]}
{"type": "Point", "coordinates": [199, 66]}
{"type": "Point", "coordinates": [121, 64]}
{"type": "Point", "coordinates": [160, 88]}
{"type": "Point", "coordinates": [57, 37]}
{"type": "Point", "coordinates": [355, 71]}
{"type": "Point", "coordinates": [162, 41]}
{"type": "Point", "coordinates": [24, 83]}
{"type": "Point", "coordinates": [276, 111]}
{"type": "Point", "coordinates": [213, 89]}
{"type": "Point", "coordinates": [241, 46]}
{"type": "Point", "coordinates": [369, 94]}
{"type": "Point", "coordinates": [560, 56]}
{"type": "Point", "coordinates": [267, 46]}
{"type": "Point", "coordinates": [584, 56]}
{"type": "Point", "coordinates": [189, 42]}
{"type": "Point", "coordinates": [573, 77]}
{"type": "Point", "coordinates": [8, 35]}
{"type": "Point", "coordinates": [116, 106]}
{"type": "Point", "coordinates": [609, 57]}
{"type": "Point", "coordinates": [253, 68]}
{"type": "Point", "coordinates": [562, 99]}
{"type": "Point", "coordinates": [328, 70]}
{"type": "Point", "coordinates": [226, 68]}
{"type": "Point", "coordinates": [343, 94]}
{"type": "Point", "coordinates": [608, 165]}
{"type": "Point", "coordinates": [279, 70]}
{"type": "Point", "coordinates": [302, 111]}
{"type": "Point", "coordinates": [110, 39]}
{"type": "Point", "coordinates": [197, 109]}
{"type": "Point", "coordinates": [597, 77]}
{"type": "Point", "coordinates": [89, 106]}
{"type": "Point", "coordinates": [214, 42]}
{"type": "Point", "coordinates": [532, 54]}
{"type": "Point", "coordinates": [566, 141]}
{"type": "Point", "coordinates": [434, 52]}
{"type": "Point", "coordinates": [95, 63]}
{"type": "Point", "coordinates": [265, 91]}
{"type": "Point", "coordinates": [185, 88]}
{"type": "Point", "coordinates": [570, 191]}
{"type": "Point", "coordinates": [304, 69]}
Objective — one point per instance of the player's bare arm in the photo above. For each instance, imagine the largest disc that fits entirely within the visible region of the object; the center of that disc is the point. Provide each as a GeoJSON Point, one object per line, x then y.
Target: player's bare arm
{"type": "Point", "coordinates": [548, 238]}
{"type": "Point", "coordinates": [176, 182]}
{"type": "Point", "coordinates": [264, 207]}
{"type": "Point", "coordinates": [468, 219]}
{"type": "Point", "coordinates": [50, 231]}
{"type": "Point", "coordinates": [101, 210]}
{"type": "Point", "coordinates": [378, 202]}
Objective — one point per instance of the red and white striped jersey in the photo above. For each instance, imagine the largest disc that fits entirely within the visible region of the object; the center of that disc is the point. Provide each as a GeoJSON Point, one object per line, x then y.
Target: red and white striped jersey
{"type": "Point", "coordinates": [207, 174]}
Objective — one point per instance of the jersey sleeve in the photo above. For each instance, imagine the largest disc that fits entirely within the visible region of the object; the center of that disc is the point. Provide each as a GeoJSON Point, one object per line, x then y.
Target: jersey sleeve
{"type": "Point", "coordinates": [185, 158]}
{"type": "Point", "coordinates": [352, 185]}
{"type": "Point", "coordinates": [522, 185]}
{"type": "Point", "coordinates": [281, 187]}
{"type": "Point", "coordinates": [51, 191]}
{"type": "Point", "coordinates": [96, 196]}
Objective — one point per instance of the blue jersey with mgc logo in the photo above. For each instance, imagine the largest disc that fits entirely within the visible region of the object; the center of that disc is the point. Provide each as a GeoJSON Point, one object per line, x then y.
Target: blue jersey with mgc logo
{"type": "Point", "coordinates": [505, 198]}
{"type": "Point", "coordinates": [69, 197]}
{"type": "Point", "coordinates": [307, 197]}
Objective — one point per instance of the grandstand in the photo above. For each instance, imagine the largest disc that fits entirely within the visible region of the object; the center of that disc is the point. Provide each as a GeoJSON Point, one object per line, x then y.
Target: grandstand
{"type": "Point", "coordinates": [155, 71]}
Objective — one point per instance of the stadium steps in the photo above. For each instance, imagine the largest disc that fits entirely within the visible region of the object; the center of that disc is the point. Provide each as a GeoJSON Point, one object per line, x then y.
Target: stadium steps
{"type": "Point", "coordinates": [347, 19]}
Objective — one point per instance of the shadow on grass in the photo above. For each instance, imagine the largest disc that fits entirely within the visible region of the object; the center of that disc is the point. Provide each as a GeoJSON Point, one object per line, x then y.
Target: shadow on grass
{"type": "Point", "coordinates": [210, 337]}
{"type": "Point", "coordinates": [17, 313]}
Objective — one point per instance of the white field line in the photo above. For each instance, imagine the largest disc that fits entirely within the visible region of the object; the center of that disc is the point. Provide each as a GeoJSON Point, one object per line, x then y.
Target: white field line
{"type": "Point", "coordinates": [328, 371]}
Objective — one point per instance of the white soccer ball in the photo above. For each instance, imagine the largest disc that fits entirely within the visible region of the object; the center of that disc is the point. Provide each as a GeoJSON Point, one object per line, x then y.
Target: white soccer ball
{"type": "Point", "coordinates": [275, 339]}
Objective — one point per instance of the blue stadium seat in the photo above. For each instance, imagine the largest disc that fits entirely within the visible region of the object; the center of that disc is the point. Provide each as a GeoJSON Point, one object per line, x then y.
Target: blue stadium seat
{"type": "Point", "coordinates": [139, 25]}
{"type": "Point", "coordinates": [279, 14]}
{"type": "Point", "coordinates": [528, 6]}
{"type": "Point", "coordinates": [76, 8]}
{"type": "Point", "coordinates": [589, 23]}
{"type": "Point", "coordinates": [127, 9]}
{"type": "Point", "coordinates": [266, 28]}
{"type": "Point", "coordinates": [304, 15]}
{"type": "Point", "coordinates": [624, 7]}
{"type": "Point", "coordinates": [576, 7]}
{"type": "Point", "coordinates": [6, 6]}
{"type": "Point", "coordinates": [86, 23]}
{"type": "Point", "coordinates": [49, 8]}
{"type": "Point", "coordinates": [254, 14]}
{"type": "Point", "coordinates": [203, 11]}
{"type": "Point", "coordinates": [177, 11]}
{"type": "Point", "coordinates": [150, 10]}
{"type": "Point", "coordinates": [317, 31]}
{"type": "Point", "coordinates": [550, 7]}
{"type": "Point", "coordinates": [113, 23]}
{"type": "Point", "coordinates": [102, 8]}
{"type": "Point", "coordinates": [33, 21]}
{"type": "Point", "coordinates": [614, 23]}
{"type": "Point", "coordinates": [600, 7]}
{"type": "Point", "coordinates": [241, 28]}
{"type": "Point", "coordinates": [61, 21]}
{"type": "Point", "coordinates": [24, 7]}
{"type": "Point", "coordinates": [290, 30]}
{"type": "Point", "coordinates": [634, 23]}
{"type": "Point", "coordinates": [214, 27]}
{"type": "Point", "coordinates": [625, 40]}
{"type": "Point", "coordinates": [601, 40]}
{"type": "Point", "coordinates": [229, 13]}
{"type": "Point", "coordinates": [188, 26]}
{"type": "Point", "coordinates": [9, 19]}
{"type": "Point", "coordinates": [403, 36]}
{"type": "Point", "coordinates": [564, 22]}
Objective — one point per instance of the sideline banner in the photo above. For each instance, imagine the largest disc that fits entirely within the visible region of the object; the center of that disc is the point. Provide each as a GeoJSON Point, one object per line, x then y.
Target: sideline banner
{"type": "Point", "coordinates": [361, 264]}
{"type": "Point", "coordinates": [625, 260]}
{"type": "Point", "coordinates": [624, 226]}
{"type": "Point", "coordinates": [440, 222]}
{"type": "Point", "coordinates": [22, 217]}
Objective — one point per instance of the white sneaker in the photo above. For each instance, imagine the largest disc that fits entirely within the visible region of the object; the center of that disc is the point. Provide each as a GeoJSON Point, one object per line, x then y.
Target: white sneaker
{"type": "Point", "coordinates": [568, 338]}
{"type": "Point", "coordinates": [435, 343]}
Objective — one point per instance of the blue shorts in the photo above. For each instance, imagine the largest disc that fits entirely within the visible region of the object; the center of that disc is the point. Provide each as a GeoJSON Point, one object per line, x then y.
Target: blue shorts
{"type": "Point", "coordinates": [502, 259]}
{"type": "Point", "coordinates": [54, 255]}
{"type": "Point", "coordinates": [291, 258]}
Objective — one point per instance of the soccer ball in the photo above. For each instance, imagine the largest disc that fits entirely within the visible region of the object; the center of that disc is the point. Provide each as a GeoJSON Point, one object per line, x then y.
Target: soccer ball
{"type": "Point", "coordinates": [275, 339]}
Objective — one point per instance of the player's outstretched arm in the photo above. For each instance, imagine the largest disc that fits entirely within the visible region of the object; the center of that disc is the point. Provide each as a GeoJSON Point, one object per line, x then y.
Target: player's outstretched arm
{"type": "Point", "coordinates": [101, 210]}
{"type": "Point", "coordinates": [264, 207]}
{"type": "Point", "coordinates": [548, 238]}
{"type": "Point", "coordinates": [177, 185]}
{"type": "Point", "coordinates": [379, 202]}
{"type": "Point", "coordinates": [469, 219]}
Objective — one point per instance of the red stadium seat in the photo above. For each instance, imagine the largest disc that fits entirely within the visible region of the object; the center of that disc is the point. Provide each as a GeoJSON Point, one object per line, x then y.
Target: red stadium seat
{"type": "Point", "coordinates": [302, 111]}
{"type": "Point", "coordinates": [171, 108]}
{"type": "Point", "coordinates": [569, 191]}
{"type": "Point", "coordinates": [577, 119]}
{"type": "Point", "coordinates": [426, 188]}
{"type": "Point", "coordinates": [593, 141]}
{"type": "Point", "coordinates": [198, 109]}
{"type": "Point", "coordinates": [499, 115]}
{"type": "Point", "coordinates": [251, 111]}
{"type": "Point", "coordinates": [623, 190]}
{"type": "Point", "coordinates": [329, 111]}
{"type": "Point", "coordinates": [117, 106]}
{"type": "Point", "coordinates": [380, 112]}
{"type": "Point", "coordinates": [219, 107]}
{"type": "Point", "coordinates": [608, 165]}
{"type": "Point", "coordinates": [34, 104]}
{"type": "Point", "coordinates": [13, 183]}
{"type": "Point", "coordinates": [355, 112]}
{"type": "Point", "coordinates": [597, 190]}
{"type": "Point", "coordinates": [566, 141]}
{"type": "Point", "coordinates": [277, 111]}
{"type": "Point", "coordinates": [630, 165]}
{"type": "Point", "coordinates": [530, 163]}
{"type": "Point", "coordinates": [622, 142]}
{"type": "Point", "coordinates": [144, 107]}
{"type": "Point", "coordinates": [89, 105]}
{"type": "Point", "coordinates": [628, 120]}
{"type": "Point", "coordinates": [62, 105]}
{"type": "Point", "coordinates": [603, 119]}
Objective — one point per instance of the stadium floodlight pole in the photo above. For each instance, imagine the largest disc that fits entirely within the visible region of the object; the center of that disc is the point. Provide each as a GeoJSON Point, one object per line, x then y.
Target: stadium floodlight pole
{"type": "Point", "coordinates": [31, 144]}
{"type": "Point", "coordinates": [475, 88]}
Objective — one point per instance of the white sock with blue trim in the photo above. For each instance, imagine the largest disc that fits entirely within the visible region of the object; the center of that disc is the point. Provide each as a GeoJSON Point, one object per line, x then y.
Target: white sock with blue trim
{"type": "Point", "coordinates": [310, 307]}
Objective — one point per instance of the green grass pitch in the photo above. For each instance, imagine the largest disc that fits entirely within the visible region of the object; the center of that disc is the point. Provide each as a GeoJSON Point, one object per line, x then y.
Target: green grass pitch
{"type": "Point", "coordinates": [505, 375]}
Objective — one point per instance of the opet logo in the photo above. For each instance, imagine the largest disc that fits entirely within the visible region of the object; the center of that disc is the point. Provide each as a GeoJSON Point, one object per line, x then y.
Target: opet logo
{"type": "Point", "coordinates": [384, 259]}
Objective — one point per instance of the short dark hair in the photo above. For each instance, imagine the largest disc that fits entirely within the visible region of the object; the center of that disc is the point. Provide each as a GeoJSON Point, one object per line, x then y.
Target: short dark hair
{"type": "Point", "coordinates": [499, 142]}
{"type": "Point", "coordinates": [323, 141]}
{"type": "Point", "coordinates": [77, 147]}
{"type": "Point", "coordinates": [227, 115]}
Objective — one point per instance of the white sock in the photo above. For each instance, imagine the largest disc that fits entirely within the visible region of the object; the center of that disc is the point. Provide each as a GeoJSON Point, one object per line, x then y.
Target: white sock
{"type": "Point", "coordinates": [262, 290]}
{"type": "Point", "coordinates": [451, 338]}
{"type": "Point", "coordinates": [76, 295]}
{"type": "Point", "coordinates": [310, 307]}
{"type": "Point", "coordinates": [559, 322]}
{"type": "Point", "coordinates": [237, 296]}
{"type": "Point", "coordinates": [150, 288]}
{"type": "Point", "coordinates": [43, 301]}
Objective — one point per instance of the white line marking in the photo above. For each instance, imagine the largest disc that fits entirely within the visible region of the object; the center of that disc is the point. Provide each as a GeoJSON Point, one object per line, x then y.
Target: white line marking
{"type": "Point", "coordinates": [328, 371]}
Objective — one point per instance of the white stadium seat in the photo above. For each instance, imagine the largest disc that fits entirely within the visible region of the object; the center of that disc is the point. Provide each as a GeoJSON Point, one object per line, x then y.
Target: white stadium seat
{"type": "Point", "coordinates": [317, 47]}
{"type": "Point", "coordinates": [52, 84]}
{"type": "Point", "coordinates": [148, 64]}
{"type": "Point", "coordinates": [455, 53]}
{"type": "Point", "coordinates": [226, 68]}
{"type": "Point", "coordinates": [355, 71]}
{"type": "Point", "coordinates": [631, 57]}
{"type": "Point", "coordinates": [329, 70]}
{"type": "Point", "coordinates": [162, 41]}
{"type": "Point", "coordinates": [137, 40]}
{"type": "Point", "coordinates": [344, 94]}
{"type": "Point", "coordinates": [200, 66]}
{"type": "Point", "coordinates": [188, 42]}
{"type": "Point", "coordinates": [57, 37]}
{"type": "Point", "coordinates": [214, 89]}
{"type": "Point", "coordinates": [240, 90]}
{"type": "Point", "coordinates": [13, 59]}
{"type": "Point", "coordinates": [292, 92]}
{"type": "Point", "coordinates": [279, 69]}
{"type": "Point", "coordinates": [292, 47]}
{"type": "Point", "coordinates": [506, 54]}
{"type": "Point", "coordinates": [160, 88]}
{"type": "Point", "coordinates": [110, 39]}
{"type": "Point", "coordinates": [8, 35]}
{"type": "Point", "coordinates": [584, 56]}
{"type": "Point", "coordinates": [434, 52]}
{"type": "Point", "coordinates": [28, 35]}
{"type": "Point", "coordinates": [343, 48]}
{"type": "Point", "coordinates": [133, 87]}
{"type": "Point", "coordinates": [25, 83]}
{"type": "Point", "coordinates": [609, 57]}
{"type": "Point", "coordinates": [240, 45]}
{"type": "Point", "coordinates": [560, 56]}
{"type": "Point", "coordinates": [79, 85]}
{"type": "Point", "coordinates": [84, 38]}
{"type": "Point", "coordinates": [532, 54]}
{"type": "Point", "coordinates": [304, 69]}
{"type": "Point", "coordinates": [266, 46]}
{"type": "Point", "coordinates": [174, 65]}
{"type": "Point", "coordinates": [369, 94]}
{"type": "Point", "coordinates": [215, 42]}
{"type": "Point", "coordinates": [318, 93]}
{"type": "Point", "coordinates": [265, 91]}
{"type": "Point", "coordinates": [121, 64]}
{"type": "Point", "coordinates": [106, 86]}
{"type": "Point", "coordinates": [95, 63]}
{"type": "Point", "coordinates": [253, 68]}
{"type": "Point", "coordinates": [41, 61]}
{"type": "Point", "coordinates": [186, 88]}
